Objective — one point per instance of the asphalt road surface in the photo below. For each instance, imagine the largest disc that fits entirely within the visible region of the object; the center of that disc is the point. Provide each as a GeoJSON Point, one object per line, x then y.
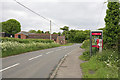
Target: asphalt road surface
{"type": "Point", "coordinates": [36, 64]}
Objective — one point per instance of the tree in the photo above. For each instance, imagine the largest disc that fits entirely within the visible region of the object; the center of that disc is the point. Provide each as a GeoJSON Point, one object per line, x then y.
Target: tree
{"type": "Point", "coordinates": [65, 28]}
{"type": "Point", "coordinates": [47, 32]}
{"type": "Point", "coordinates": [59, 34]}
{"type": "Point", "coordinates": [11, 26]}
{"type": "Point", "coordinates": [65, 31]}
{"type": "Point", "coordinates": [42, 31]}
{"type": "Point", "coordinates": [101, 28]}
{"type": "Point", "coordinates": [32, 31]}
{"type": "Point", "coordinates": [80, 36]}
{"type": "Point", "coordinates": [39, 31]}
{"type": "Point", "coordinates": [112, 24]}
{"type": "Point", "coordinates": [55, 33]}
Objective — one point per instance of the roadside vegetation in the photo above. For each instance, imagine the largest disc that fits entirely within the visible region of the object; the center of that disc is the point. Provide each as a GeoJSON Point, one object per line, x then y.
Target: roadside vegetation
{"type": "Point", "coordinates": [68, 44]}
{"type": "Point", "coordinates": [6, 39]}
{"type": "Point", "coordinates": [12, 46]}
{"type": "Point", "coordinates": [100, 65]}
{"type": "Point", "coordinates": [105, 64]}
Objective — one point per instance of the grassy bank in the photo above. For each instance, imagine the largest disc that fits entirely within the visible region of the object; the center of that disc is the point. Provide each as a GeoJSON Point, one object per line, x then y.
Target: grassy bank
{"type": "Point", "coordinates": [100, 65]}
{"type": "Point", "coordinates": [14, 48]}
{"type": "Point", "coordinates": [68, 44]}
{"type": "Point", "coordinates": [6, 39]}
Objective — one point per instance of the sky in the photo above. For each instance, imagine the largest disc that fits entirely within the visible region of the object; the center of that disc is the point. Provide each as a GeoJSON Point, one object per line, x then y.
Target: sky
{"type": "Point", "coordinates": [76, 14]}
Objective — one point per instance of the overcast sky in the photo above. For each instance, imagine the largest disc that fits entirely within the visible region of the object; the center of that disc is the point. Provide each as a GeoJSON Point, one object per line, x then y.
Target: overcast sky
{"type": "Point", "coordinates": [76, 14]}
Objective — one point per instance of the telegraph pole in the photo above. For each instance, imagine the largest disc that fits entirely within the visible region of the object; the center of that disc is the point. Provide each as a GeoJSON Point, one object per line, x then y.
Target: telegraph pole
{"type": "Point", "coordinates": [50, 30]}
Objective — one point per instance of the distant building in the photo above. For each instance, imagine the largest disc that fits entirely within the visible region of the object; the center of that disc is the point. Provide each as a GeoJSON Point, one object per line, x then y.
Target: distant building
{"type": "Point", "coordinates": [27, 35]}
{"type": "Point", "coordinates": [61, 39]}
{"type": "Point", "coordinates": [3, 34]}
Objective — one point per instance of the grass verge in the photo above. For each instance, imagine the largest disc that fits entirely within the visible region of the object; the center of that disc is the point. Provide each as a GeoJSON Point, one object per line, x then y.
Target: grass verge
{"type": "Point", "coordinates": [104, 65]}
{"type": "Point", "coordinates": [14, 48]}
{"type": "Point", "coordinates": [68, 44]}
{"type": "Point", "coordinates": [100, 65]}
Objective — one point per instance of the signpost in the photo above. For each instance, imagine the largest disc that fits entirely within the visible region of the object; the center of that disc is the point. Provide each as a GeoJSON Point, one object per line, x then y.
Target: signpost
{"type": "Point", "coordinates": [96, 40]}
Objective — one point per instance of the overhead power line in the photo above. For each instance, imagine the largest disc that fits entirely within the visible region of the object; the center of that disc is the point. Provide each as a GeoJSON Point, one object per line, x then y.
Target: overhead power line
{"type": "Point", "coordinates": [38, 15]}
{"type": "Point", "coordinates": [32, 10]}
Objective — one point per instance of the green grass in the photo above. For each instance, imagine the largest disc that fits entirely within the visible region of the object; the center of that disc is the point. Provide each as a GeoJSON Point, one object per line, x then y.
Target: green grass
{"type": "Point", "coordinates": [68, 44]}
{"type": "Point", "coordinates": [14, 48]}
{"type": "Point", "coordinates": [100, 65]}
{"type": "Point", "coordinates": [6, 39]}
{"type": "Point", "coordinates": [86, 44]}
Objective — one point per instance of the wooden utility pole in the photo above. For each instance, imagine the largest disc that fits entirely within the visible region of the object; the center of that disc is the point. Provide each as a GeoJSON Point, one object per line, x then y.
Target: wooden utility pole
{"type": "Point", "coordinates": [50, 31]}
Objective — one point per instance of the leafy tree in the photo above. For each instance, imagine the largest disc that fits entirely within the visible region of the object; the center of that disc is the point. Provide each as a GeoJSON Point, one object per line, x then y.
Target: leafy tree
{"type": "Point", "coordinates": [101, 28]}
{"type": "Point", "coordinates": [42, 31]}
{"type": "Point", "coordinates": [59, 34]}
{"type": "Point", "coordinates": [65, 31]}
{"type": "Point", "coordinates": [32, 31]}
{"type": "Point", "coordinates": [11, 26]}
{"type": "Point", "coordinates": [55, 33]}
{"type": "Point", "coordinates": [72, 35]}
{"type": "Point", "coordinates": [47, 32]}
{"type": "Point", "coordinates": [39, 31]}
{"type": "Point", "coordinates": [65, 28]}
{"type": "Point", "coordinates": [112, 24]}
{"type": "Point", "coordinates": [79, 37]}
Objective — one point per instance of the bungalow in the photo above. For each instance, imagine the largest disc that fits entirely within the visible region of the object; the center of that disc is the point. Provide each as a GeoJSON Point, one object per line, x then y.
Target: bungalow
{"type": "Point", "coordinates": [27, 35]}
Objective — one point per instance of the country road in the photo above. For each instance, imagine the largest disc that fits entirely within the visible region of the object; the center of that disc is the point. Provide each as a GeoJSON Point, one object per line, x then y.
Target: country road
{"type": "Point", "coordinates": [36, 64]}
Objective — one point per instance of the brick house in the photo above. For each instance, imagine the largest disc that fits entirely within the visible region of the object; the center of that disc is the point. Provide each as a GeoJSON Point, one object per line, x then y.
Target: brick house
{"type": "Point", "coordinates": [22, 35]}
{"type": "Point", "coordinates": [61, 39]}
{"type": "Point", "coordinates": [27, 35]}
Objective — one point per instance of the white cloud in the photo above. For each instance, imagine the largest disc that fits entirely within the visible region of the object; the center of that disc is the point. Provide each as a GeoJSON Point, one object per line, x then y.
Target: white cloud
{"type": "Point", "coordinates": [77, 15]}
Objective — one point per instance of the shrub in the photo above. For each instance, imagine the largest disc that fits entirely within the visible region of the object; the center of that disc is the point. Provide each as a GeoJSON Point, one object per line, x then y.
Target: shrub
{"type": "Point", "coordinates": [5, 39]}
{"type": "Point", "coordinates": [86, 44]}
{"type": "Point", "coordinates": [103, 65]}
{"type": "Point", "coordinates": [13, 48]}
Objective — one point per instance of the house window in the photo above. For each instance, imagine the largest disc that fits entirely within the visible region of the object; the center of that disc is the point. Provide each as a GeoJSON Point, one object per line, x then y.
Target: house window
{"type": "Point", "coordinates": [19, 36]}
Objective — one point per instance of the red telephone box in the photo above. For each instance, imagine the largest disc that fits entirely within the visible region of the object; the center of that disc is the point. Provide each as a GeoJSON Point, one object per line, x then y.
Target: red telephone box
{"type": "Point", "coordinates": [96, 36]}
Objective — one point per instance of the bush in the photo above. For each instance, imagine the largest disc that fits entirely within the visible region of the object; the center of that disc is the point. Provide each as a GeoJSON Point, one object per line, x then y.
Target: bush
{"type": "Point", "coordinates": [86, 44]}
{"type": "Point", "coordinates": [13, 48]}
{"type": "Point", "coordinates": [85, 56]}
{"type": "Point", "coordinates": [102, 65]}
{"type": "Point", "coordinates": [99, 65]}
{"type": "Point", "coordinates": [5, 39]}
{"type": "Point", "coordinates": [109, 57]}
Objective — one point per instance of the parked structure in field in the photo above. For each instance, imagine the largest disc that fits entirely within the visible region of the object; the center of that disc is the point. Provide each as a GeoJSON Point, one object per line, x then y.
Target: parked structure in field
{"type": "Point", "coordinates": [27, 35]}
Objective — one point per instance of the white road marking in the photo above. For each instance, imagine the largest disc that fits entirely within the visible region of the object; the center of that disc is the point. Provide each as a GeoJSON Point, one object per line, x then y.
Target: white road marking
{"type": "Point", "coordinates": [9, 67]}
{"type": "Point", "coordinates": [35, 57]}
{"type": "Point", "coordinates": [49, 52]}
